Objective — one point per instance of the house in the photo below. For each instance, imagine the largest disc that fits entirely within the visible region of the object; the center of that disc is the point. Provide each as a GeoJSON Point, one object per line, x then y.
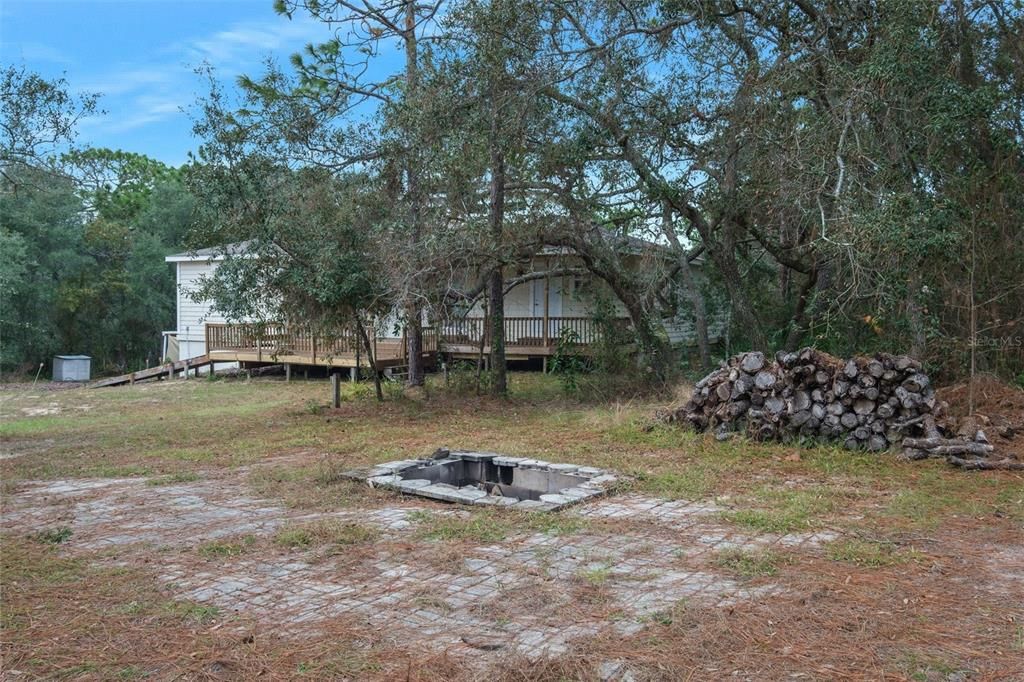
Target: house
{"type": "Point", "coordinates": [188, 339]}
{"type": "Point", "coordinates": [538, 310]}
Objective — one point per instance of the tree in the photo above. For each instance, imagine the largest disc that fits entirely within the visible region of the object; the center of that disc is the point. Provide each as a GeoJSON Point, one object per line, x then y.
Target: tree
{"type": "Point", "coordinates": [486, 141]}
{"type": "Point", "coordinates": [45, 271]}
{"type": "Point", "coordinates": [337, 75]}
{"type": "Point", "coordinates": [38, 118]}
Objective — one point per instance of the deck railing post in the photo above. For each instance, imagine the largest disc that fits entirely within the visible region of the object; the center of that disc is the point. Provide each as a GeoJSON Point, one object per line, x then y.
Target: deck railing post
{"type": "Point", "coordinates": [547, 318]}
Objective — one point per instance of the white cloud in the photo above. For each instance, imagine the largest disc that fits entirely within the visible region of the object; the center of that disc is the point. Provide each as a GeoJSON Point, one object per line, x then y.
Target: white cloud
{"type": "Point", "coordinates": [131, 80]}
{"type": "Point", "coordinates": [158, 88]}
{"type": "Point", "coordinates": [31, 52]}
{"type": "Point", "coordinates": [244, 41]}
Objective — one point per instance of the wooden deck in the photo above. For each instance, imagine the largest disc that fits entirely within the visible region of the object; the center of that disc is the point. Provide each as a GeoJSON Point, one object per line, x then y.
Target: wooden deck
{"type": "Point", "coordinates": [278, 344]}
{"type": "Point", "coordinates": [525, 337]}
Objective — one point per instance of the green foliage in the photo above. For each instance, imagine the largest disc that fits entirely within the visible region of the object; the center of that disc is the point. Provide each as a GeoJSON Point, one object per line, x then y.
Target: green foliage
{"type": "Point", "coordinates": [219, 549]}
{"type": "Point", "coordinates": [37, 116]}
{"type": "Point", "coordinates": [86, 271]}
{"type": "Point", "coordinates": [53, 536]}
{"type": "Point", "coordinates": [173, 479]}
{"type": "Point", "coordinates": [567, 364]}
{"type": "Point", "coordinates": [869, 553]}
{"type": "Point", "coordinates": [464, 379]}
{"type": "Point", "coordinates": [478, 527]}
{"type": "Point", "coordinates": [749, 563]}
{"type": "Point", "coordinates": [333, 532]}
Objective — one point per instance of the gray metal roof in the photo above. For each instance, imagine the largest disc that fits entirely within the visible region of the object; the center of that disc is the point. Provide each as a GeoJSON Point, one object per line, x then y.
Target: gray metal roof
{"type": "Point", "coordinates": [210, 253]}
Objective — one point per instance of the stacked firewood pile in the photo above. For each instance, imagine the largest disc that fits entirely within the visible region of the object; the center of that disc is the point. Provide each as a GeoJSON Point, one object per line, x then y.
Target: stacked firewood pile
{"type": "Point", "coordinates": [967, 450]}
{"type": "Point", "coordinates": [870, 403]}
{"type": "Point", "coordinates": [867, 403]}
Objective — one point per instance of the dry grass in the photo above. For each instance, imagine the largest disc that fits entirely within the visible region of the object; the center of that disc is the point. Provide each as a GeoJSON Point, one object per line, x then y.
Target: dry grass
{"type": "Point", "coordinates": [908, 593]}
{"type": "Point", "coordinates": [67, 618]}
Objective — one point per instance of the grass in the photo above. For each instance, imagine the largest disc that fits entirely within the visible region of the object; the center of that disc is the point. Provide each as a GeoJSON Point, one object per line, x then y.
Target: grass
{"type": "Point", "coordinates": [331, 532]}
{"type": "Point", "coordinates": [191, 612]}
{"type": "Point", "coordinates": [694, 483]}
{"type": "Point", "coordinates": [173, 479]}
{"type": "Point", "coordinates": [483, 527]}
{"type": "Point", "coordinates": [217, 549]}
{"type": "Point", "coordinates": [53, 536]}
{"type": "Point", "coordinates": [490, 525]}
{"type": "Point", "coordinates": [870, 553]}
{"type": "Point", "coordinates": [750, 563]}
{"type": "Point", "coordinates": [774, 510]}
{"type": "Point", "coordinates": [597, 575]}
{"type": "Point", "coordinates": [929, 668]}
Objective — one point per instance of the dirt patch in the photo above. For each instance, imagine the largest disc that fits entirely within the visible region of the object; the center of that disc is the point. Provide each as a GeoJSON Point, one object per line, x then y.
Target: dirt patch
{"type": "Point", "coordinates": [998, 410]}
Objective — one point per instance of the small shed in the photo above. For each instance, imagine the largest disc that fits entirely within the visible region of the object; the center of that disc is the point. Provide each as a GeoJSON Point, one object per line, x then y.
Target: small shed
{"type": "Point", "coordinates": [71, 367]}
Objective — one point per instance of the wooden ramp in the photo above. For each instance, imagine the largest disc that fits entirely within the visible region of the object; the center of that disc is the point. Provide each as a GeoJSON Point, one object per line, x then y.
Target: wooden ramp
{"type": "Point", "coordinates": [166, 370]}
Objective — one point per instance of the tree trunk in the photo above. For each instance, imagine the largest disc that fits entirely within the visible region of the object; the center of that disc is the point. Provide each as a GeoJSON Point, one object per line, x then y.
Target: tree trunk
{"type": "Point", "coordinates": [725, 260]}
{"type": "Point", "coordinates": [653, 347]}
{"type": "Point", "coordinates": [915, 316]}
{"type": "Point", "coordinates": [499, 386]}
{"type": "Point", "coordinates": [799, 319]}
{"type": "Point", "coordinates": [693, 292]}
{"type": "Point", "coordinates": [368, 347]}
{"type": "Point", "coordinates": [414, 329]}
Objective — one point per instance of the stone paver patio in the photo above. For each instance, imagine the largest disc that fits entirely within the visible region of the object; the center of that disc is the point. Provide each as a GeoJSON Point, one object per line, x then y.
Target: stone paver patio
{"type": "Point", "coordinates": [518, 594]}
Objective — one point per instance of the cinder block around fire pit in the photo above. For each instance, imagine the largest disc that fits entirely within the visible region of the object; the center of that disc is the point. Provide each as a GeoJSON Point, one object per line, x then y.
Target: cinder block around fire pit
{"type": "Point", "coordinates": [487, 478]}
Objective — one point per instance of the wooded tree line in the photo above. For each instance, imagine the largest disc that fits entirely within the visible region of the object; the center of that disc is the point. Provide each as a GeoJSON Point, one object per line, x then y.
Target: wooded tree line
{"type": "Point", "coordinates": [83, 235]}
{"type": "Point", "coordinates": [848, 173]}
{"type": "Point", "coordinates": [851, 173]}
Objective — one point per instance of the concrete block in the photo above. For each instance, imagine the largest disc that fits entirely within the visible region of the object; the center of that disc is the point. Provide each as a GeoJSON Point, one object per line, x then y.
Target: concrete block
{"type": "Point", "coordinates": [508, 461]}
{"type": "Point", "coordinates": [474, 456]}
{"type": "Point", "coordinates": [579, 493]}
{"type": "Point", "coordinates": [400, 465]}
{"type": "Point", "coordinates": [555, 498]}
{"type": "Point", "coordinates": [471, 493]}
{"type": "Point", "coordinates": [413, 483]}
{"type": "Point", "coordinates": [563, 468]}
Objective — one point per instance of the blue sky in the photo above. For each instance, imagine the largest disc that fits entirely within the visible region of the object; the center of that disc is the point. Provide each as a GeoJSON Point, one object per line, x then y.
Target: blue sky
{"type": "Point", "coordinates": [140, 55]}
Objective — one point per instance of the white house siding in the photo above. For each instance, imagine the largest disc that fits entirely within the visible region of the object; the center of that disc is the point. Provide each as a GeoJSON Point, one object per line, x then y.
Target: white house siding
{"type": "Point", "coordinates": [192, 315]}
{"type": "Point", "coordinates": [681, 330]}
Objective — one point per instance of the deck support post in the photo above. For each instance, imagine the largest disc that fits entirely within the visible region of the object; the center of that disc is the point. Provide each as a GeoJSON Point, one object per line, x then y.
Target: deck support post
{"type": "Point", "coordinates": [353, 374]}
{"type": "Point", "coordinates": [287, 371]}
{"type": "Point", "coordinates": [336, 389]}
{"type": "Point", "coordinates": [184, 375]}
{"type": "Point", "coordinates": [544, 365]}
{"type": "Point", "coordinates": [170, 371]}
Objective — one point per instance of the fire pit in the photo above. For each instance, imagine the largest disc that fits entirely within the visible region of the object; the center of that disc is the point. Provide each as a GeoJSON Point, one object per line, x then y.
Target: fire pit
{"type": "Point", "coordinates": [487, 478]}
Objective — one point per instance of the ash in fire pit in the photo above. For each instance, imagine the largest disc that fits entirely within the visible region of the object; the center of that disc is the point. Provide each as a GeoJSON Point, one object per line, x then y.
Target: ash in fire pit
{"type": "Point", "coordinates": [487, 478]}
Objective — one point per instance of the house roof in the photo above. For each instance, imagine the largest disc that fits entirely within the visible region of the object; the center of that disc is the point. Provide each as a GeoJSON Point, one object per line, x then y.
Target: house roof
{"type": "Point", "coordinates": [212, 253]}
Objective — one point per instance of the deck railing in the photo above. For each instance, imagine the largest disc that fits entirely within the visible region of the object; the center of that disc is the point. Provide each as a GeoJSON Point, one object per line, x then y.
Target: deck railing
{"type": "Point", "coordinates": [273, 340]}
{"type": "Point", "coordinates": [270, 340]}
{"type": "Point", "coordinates": [523, 331]}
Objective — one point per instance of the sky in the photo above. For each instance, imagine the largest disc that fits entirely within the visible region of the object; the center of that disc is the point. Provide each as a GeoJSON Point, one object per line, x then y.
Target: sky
{"type": "Point", "coordinates": [140, 55]}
